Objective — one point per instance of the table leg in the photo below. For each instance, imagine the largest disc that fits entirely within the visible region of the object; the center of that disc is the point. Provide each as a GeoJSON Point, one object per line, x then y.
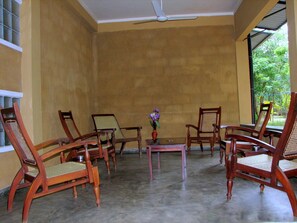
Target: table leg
{"type": "Point", "coordinates": [184, 163]}
{"type": "Point", "coordinates": [149, 157]}
{"type": "Point", "coordinates": [159, 162]}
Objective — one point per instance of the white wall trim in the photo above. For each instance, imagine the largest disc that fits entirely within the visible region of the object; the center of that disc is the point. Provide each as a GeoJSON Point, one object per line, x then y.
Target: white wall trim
{"type": "Point", "coordinates": [12, 94]}
{"type": "Point", "coordinates": [11, 45]}
{"type": "Point", "coordinates": [4, 149]}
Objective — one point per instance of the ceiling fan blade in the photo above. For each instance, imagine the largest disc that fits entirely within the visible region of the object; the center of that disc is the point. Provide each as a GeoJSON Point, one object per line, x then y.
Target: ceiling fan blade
{"type": "Point", "coordinates": [172, 18]}
{"type": "Point", "coordinates": [145, 21]}
{"type": "Point", "coordinates": [158, 9]}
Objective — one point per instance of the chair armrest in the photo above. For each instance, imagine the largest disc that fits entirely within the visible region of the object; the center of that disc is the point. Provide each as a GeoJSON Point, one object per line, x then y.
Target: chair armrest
{"type": "Point", "coordinates": [66, 147]}
{"type": "Point", "coordinates": [249, 139]}
{"type": "Point", "coordinates": [232, 128]}
{"type": "Point", "coordinates": [192, 126]}
{"type": "Point", "coordinates": [59, 141]}
{"type": "Point", "coordinates": [108, 130]}
{"type": "Point", "coordinates": [88, 135]}
{"type": "Point", "coordinates": [132, 128]}
{"type": "Point", "coordinates": [216, 127]}
{"type": "Point", "coordinates": [273, 133]}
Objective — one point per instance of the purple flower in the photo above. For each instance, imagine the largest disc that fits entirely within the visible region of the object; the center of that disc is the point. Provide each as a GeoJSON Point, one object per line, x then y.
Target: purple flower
{"type": "Point", "coordinates": [154, 118]}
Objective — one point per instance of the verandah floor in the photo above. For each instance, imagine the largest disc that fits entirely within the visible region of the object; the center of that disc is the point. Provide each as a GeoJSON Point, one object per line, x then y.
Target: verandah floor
{"type": "Point", "coordinates": [129, 196]}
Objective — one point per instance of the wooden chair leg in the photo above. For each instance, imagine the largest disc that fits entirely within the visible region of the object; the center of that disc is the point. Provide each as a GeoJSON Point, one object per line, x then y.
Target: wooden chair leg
{"type": "Point", "coordinates": [139, 148]}
{"type": "Point", "coordinates": [262, 186]}
{"type": "Point", "coordinates": [188, 140]}
{"type": "Point", "coordinates": [113, 156]}
{"type": "Point", "coordinates": [211, 147]}
{"type": "Point", "coordinates": [96, 185]}
{"type": "Point", "coordinates": [230, 177]}
{"type": "Point", "coordinates": [29, 197]}
{"type": "Point", "coordinates": [283, 179]}
{"type": "Point", "coordinates": [106, 159]}
{"type": "Point", "coordinates": [122, 148]}
{"type": "Point", "coordinates": [229, 188]}
{"type": "Point", "coordinates": [188, 146]}
{"type": "Point", "coordinates": [201, 147]}
{"type": "Point", "coordinates": [16, 181]}
{"type": "Point", "coordinates": [221, 155]}
{"type": "Point", "coordinates": [75, 191]}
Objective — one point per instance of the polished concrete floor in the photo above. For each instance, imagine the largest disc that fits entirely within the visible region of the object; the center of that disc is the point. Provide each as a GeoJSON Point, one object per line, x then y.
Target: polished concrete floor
{"type": "Point", "coordinates": [129, 196]}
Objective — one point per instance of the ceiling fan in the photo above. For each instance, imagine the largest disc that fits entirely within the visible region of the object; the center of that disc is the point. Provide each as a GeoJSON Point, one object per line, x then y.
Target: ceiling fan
{"type": "Point", "coordinates": [161, 16]}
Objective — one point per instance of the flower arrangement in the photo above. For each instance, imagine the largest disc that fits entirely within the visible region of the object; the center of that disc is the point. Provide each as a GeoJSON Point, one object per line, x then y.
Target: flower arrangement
{"type": "Point", "coordinates": [154, 118]}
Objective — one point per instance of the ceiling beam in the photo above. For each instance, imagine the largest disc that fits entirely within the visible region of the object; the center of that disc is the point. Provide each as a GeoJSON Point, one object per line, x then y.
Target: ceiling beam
{"type": "Point", "coordinates": [249, 14]}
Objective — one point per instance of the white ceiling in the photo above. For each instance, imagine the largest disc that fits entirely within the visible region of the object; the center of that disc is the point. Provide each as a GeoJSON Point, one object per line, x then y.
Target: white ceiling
{"type": "Point", "coordinates": [106, 11]}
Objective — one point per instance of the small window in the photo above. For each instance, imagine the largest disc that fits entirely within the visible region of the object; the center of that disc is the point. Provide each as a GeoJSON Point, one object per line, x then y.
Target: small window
{"type": "Point", "coordinates": [7, 98]}
{"type": "Point", "coordinates": [10, 22]}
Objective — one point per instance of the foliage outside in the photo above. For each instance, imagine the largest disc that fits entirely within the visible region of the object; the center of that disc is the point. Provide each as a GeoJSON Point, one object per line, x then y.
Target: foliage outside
{"type": "Point", "coordinates": [272, 75]}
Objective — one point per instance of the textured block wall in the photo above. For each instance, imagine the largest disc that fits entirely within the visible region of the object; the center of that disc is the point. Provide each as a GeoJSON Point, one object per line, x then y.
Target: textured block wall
{"type": "Point", "coordinates": [175, 69]}
{"type": "Point", "coordinates": [66, 67]}
{"type": "Point", "coordinates": [10, 79]}
{"type": "Point", "coordinates": [10, 69]}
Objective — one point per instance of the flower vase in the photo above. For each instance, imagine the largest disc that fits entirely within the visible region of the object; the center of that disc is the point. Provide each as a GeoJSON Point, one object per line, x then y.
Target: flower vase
{"type": "Point", "coordinates": [154, 135]}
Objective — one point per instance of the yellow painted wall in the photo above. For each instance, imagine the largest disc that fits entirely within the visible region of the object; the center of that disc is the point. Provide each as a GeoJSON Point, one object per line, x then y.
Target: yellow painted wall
{"type": "Point", "coordinates": [10, 69]}
{"type": "Point", "coordinates": [175, 69]}
{"type": "Point", "coordinates": [243, 82]}
{"type": "Point", "coordinates": [123, 72]}
{"type": "Point", "coordinates": [292, 32]}
{"type": "Point", "coordinates": [60, 78]}
{"type": "Point", "coordinates": [66, 68]}
{"type": "Point", "coordinates": [10, 76]}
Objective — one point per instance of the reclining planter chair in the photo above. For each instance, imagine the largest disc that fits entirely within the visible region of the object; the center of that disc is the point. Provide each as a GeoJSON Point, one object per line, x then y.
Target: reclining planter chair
{"type": "Point", "coordinates": [207, 130]}
{"type": "Point", "coordinates": [97, 152]}
{"type": "Point", "coordinates": [271, 170]}
{"type": "Point", "coordinates": [43, 180]}
{"type": "Point", "coordinates": [109, 121]}
{"type": "Point", "coordinates": [245, 148]}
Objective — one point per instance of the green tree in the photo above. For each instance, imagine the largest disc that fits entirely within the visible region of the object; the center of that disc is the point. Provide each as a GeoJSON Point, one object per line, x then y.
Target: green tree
{"type": "Point", "coordinates": [271, 71]}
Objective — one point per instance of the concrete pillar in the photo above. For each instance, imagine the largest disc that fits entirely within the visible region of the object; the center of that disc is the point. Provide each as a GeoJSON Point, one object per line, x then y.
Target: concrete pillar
{"type": "Point", "coordinates": [292, 36]}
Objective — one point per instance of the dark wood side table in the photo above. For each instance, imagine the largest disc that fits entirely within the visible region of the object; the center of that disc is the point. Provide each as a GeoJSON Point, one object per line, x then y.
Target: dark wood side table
{"type": "Point", "coordinates": [166, 145]}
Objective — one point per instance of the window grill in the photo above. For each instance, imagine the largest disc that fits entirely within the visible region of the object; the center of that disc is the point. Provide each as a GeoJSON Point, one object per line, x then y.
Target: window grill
{"type": "Point", "coordinates": [10, 21]}
{"type": "Point", "coordinates": [7, 98]}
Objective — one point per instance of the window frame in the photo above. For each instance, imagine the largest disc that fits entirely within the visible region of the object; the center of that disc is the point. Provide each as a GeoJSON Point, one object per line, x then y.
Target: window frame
{"type": "Point", "coordinates": [10, 21]}
{"type": "Point", "coordinates": [13, 96]}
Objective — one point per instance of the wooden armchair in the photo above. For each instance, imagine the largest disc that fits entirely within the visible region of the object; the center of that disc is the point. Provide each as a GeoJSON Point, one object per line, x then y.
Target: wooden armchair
{"type": "Point", "coordinates": [273, 171]}
{"type": "Point", "coordinates": [99, 151]}
{"type": "Point", "coordinates": [44, 180]}
{"type": "Point", "coordinates": [207, 130]}
{"type": "Point", "coordinates": [107, 121]}
{"type": "Point", "coordinates": [245, 148]}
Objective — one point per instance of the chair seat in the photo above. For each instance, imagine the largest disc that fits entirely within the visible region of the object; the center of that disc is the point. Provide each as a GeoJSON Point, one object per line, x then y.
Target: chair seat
{"type": "Point", "coordinates": [239, 144]}
{"type": "Point", "coordinates": [109, 121]}
{"type": "Point", "coordinates": [264, 162]}
{"type": "Point", "coordinates": [60, 169]}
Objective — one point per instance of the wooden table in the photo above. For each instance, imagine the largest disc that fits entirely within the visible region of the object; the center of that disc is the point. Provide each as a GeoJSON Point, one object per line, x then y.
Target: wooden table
{"type": "Point", "coordinates": [167, 145]}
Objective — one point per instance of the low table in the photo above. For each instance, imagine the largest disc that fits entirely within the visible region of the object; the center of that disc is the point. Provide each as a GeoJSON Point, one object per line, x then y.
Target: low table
{"type": "Point", "coordinates": [166, 145]}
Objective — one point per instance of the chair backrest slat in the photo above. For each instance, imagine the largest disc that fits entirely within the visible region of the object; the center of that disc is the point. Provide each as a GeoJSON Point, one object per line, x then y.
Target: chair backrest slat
{"type": "Point", "coordinates": [263, 119]}
{"type": "Point", "coordinates": [14, 127]}
{"type": "Point", "coordinates": [287, 143]}
{"type": "Point", "coordinates": [208, 117]}
{"type": "Point", "coordinates": [27, 154]}
{"type": "Point", "coordinates": [107, 121]}
{"type": "Point", "coordinates": [69, 125]}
